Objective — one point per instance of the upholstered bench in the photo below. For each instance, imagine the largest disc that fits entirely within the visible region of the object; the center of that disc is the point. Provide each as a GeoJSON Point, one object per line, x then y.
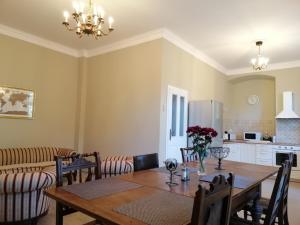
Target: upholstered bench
{"type": "Point", "coordinates": [24, 175]}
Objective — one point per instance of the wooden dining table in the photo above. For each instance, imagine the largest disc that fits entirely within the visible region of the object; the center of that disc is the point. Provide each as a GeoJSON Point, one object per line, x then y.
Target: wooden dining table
{"type": "Point", "coordinates": [154, 181]}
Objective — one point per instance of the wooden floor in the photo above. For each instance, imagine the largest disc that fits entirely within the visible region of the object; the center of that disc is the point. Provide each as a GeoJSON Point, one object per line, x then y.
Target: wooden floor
{"type": "Point", "coordinates": [294, 204]}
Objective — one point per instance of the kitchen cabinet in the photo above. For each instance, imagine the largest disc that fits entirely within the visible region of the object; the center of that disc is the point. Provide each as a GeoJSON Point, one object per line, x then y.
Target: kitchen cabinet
{"type": "Point", "coordinates": [248, 153]}
{"type": "Point", "coordinates": [261, 154]}
{"type": "Point", "coordinates": [235, 152]}
{"type": "Point", "coordinates": [264, 155]}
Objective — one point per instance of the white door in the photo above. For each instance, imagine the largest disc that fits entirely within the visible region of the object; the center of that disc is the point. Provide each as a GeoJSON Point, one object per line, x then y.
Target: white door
{"type": "Point", "coordinates": [177, 106]}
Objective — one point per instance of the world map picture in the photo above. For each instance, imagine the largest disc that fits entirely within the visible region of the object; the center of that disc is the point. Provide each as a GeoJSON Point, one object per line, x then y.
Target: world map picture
{"type": "Point", "coordinates": [16, 103]}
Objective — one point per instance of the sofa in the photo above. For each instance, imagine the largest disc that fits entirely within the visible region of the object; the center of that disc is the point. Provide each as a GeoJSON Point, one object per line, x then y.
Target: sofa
{"type": "Point", "coordinates": [24, 175]}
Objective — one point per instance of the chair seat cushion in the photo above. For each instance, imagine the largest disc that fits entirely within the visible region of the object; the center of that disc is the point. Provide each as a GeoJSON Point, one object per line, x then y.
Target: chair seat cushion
{"type": "Point", "coordinates": [25, 167]}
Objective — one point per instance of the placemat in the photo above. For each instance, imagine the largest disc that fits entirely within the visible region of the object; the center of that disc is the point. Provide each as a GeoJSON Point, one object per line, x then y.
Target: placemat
{"type": "Point", "coordinates": [163, 208]}
{"type": "Point", "coordinates": [99, 188]}
{"type": "Point", "coordinates": [240, 182]}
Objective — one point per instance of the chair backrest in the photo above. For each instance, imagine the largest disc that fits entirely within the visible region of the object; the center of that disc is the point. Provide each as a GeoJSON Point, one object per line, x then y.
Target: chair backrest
{"type": "Point", "coordinates": [283, 208]}
{"type": "Point", "coordinates": [212, 207]}
{"type": "Point", "coordinates": [188, 155]}
{"type": "Point", "coordinates": [145, 162]}
{"type": "Point", "coordinates": [71, 166]}
{"type": "Point", "coordinates": [278, 193]}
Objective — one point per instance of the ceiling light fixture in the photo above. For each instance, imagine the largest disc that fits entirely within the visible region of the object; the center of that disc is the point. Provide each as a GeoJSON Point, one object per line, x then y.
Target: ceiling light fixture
{"type": "Point", "coordinates": [260, 62]}
{"type": "Point", "coordinates": [89, 20]}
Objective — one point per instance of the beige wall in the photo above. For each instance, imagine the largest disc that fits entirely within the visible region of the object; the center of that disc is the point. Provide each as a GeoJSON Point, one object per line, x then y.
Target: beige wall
{"type": "Point", "coordinates": [245, 117]}
{"type": "Point", "coordinates": [127, 93]}
{"type": "Point", "coordinates": [182, 70]}
{"type": "Point", "coordinates": [81, 104]}
{"type": "Point", "coordinates": [123, 101]}
{"type": "Point", "coordinates": [53, 77]}
{"type": "Point", "coordinates": [112, 103]}
{"type": "Point", "coordinates": [115, 102]}
{"type": "Point", "coordinates": [285, 80]}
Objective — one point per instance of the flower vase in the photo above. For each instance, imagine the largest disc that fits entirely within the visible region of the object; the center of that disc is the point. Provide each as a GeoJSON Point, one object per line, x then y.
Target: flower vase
{"type": "Point", "coordinates": [201, 168]}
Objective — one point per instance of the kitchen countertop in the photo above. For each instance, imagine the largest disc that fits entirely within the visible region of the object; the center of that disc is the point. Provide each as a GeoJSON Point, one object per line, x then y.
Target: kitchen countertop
{"type": "Point", "coordinates": [238, 141]}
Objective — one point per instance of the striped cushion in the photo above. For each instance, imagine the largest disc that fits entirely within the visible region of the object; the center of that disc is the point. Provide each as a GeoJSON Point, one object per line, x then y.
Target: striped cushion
{"type": "Point", "coordinates": [51, 172]}
{"type": "Point", "coordinates": [26, 167]}
{"type": "Point", "coordinates": [22, 195]}
{"type": "Point", "coordinates": [23, 206]}
{"type": "Point", "coordinates": [23, 182]}
{"type": "Point", "coordinates": [116, 165]}
{"type": "Point", "coordinates": [30, 155]}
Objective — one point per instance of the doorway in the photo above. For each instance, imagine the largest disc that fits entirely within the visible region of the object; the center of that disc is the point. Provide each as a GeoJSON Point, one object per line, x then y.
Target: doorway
{"type": "Point", "coordinates": [177, 112]}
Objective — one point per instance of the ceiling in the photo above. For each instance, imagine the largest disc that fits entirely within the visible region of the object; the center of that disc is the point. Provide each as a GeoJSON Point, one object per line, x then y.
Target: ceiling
{"type": "Point", "coordinates": [224, 31]}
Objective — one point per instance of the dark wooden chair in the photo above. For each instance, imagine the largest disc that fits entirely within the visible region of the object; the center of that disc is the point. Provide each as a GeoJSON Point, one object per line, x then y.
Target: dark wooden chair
{"type": "Point", "coordinates": [70, 167]}
{"type": "Point", "coordinates": [188, 155]}
{"type": "Point", "coordinates": [264, 202]}
{"type": "Point", "coordinates": [145, 162]}
{"type": "Point", "coordinates": [275, 206]}
{"type": "Point", "coordinates": [212, 207]}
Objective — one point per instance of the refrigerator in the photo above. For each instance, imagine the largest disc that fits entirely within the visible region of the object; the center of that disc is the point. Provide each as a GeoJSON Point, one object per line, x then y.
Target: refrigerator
{"type": "Point", "coordinates": [207, 113]}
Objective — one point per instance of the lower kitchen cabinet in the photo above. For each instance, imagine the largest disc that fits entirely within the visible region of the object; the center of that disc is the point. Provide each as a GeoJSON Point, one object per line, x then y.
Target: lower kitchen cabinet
{"type": "Point", "coordinates": [264, 155]}
{"type": "Point", "coordinates": [235, 152]}
{"type": "Point", "coordinates": [250, 153]}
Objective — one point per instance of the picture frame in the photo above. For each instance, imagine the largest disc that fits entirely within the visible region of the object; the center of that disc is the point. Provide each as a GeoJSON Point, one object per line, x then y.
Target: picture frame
{"type": "Point", "coordinates": [16, 103]}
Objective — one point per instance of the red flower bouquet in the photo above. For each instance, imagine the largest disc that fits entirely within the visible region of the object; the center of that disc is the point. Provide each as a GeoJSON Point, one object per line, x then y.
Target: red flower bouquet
{"type": "Point", "coordinates": [201, 139]}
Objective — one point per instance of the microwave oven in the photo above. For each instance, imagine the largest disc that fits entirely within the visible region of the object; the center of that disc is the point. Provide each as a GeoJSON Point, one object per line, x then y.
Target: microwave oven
{"type": "Point", "coordinates": [252, 136]}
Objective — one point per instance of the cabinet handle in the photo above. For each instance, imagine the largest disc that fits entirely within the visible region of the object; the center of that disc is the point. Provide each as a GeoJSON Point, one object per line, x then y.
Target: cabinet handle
{"type": "Point", "coordinates": [170, 134]}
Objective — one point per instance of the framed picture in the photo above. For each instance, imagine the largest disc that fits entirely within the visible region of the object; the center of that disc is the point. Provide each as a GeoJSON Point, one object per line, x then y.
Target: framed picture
{"type": "Point", "coordinates": [16, 103]}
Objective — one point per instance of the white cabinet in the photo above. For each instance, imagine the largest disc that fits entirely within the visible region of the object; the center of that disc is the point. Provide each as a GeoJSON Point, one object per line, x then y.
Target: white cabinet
{"type": "Point", "coordinates": [235, 152]}
{"type": "Point", "coordinates": [261, 154]}
{"type": "Point", "coordinates": [264, 155]}
{"type": "Point", "coordinates": [248, 153]}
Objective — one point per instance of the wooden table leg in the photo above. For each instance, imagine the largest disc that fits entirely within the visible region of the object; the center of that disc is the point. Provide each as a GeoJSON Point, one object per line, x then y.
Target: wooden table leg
{"type": "Point", "coordinates": [59, 214]}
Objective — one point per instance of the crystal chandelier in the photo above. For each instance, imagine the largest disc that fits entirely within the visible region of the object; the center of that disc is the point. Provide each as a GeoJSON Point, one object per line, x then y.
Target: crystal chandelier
{"type": "Point", "coordinates": [88, 20]}
{"type": "Point", "coordinates": [260, 62]}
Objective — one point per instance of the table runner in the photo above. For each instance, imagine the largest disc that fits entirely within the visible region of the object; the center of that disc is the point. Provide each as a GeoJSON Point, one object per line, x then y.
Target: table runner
{"type": "Point", "coordinates": [163, 208]}
{"type": "Point", "coordinates": [99, 188]}
{"type": "Point", "coordinates": [240, 182]}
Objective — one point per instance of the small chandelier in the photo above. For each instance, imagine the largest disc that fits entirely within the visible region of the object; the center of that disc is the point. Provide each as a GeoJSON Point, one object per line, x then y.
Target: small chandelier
{"type": "Point", "coordinates": [260, 62]}
{"type": "Point", "coordinates": [89, 21]}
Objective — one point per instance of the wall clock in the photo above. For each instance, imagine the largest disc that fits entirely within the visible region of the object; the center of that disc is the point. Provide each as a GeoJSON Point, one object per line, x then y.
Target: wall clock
{"type": "Point", "coordinates": [253, 99]}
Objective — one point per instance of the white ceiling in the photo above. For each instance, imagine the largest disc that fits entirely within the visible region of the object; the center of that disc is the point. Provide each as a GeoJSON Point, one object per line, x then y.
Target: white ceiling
{"type": "Point", "coordinates": [223, 30]}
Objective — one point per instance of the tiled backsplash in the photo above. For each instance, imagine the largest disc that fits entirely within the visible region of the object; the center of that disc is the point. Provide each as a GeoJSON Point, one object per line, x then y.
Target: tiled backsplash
{"type": "Point", "coordinates": [266, 127]}
{"type": "Point", "coordinates": [288, 130]}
